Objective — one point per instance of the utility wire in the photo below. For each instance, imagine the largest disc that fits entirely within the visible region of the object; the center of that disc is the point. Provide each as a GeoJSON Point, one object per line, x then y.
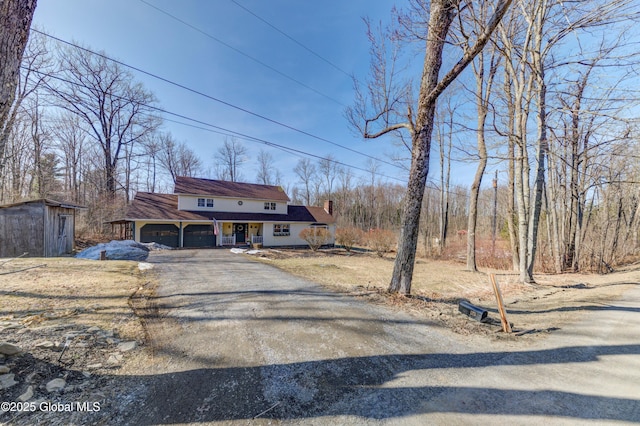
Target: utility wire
{"type": "Point", "coordinates": [246, 55]}
{"type": "Point", "coordinates": [213, 126]}
{"type": "Point", "coordinates": [210, 97]}
{"type": "Point", "coordinates": [290, 38]}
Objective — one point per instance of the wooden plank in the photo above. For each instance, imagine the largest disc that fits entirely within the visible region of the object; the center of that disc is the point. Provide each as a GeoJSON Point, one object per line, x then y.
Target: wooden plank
{"type": "Point", "coordinates": [506, 327]}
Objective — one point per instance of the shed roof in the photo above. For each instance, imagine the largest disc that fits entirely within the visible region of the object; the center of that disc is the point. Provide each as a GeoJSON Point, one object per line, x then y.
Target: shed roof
{"type": "Point", "coordinates": [222, 188]}
{"type": "Point", "coordinates": [46, 201]}
{"type": "Point", "coordinates": [150, 206]}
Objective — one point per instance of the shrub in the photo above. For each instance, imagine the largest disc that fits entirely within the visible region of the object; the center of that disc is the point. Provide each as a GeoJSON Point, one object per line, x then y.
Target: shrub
{"type": "Point", "coordinates": [316, 237]}
{"type": "Point", "coordinates": [381, 241]}
{"type": "Point", "coordinates": [348, 237]}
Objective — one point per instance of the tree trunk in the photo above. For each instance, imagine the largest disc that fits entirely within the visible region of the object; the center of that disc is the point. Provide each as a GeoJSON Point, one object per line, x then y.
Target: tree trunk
{"type": "Point", "coordinates": [536, 208]}
{"type": "Point", "coordinates": [511, 208]}
{"type": "Point", "coordinates": [16, 16]}
{"type": "Point", "coordinates": [441, 16]}
{"type": "Point", "coordinates": [475, 190]}
{"type": "Point", "coordinates": [483, 93]}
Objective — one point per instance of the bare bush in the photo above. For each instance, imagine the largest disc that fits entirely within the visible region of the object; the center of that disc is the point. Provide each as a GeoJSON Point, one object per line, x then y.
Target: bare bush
{"type": "Point", "coordinates": [348, 237]}
{"type": "Point", "coordinates": [381, 241]}
{"type": "Point", "coordinates": [316, 237]}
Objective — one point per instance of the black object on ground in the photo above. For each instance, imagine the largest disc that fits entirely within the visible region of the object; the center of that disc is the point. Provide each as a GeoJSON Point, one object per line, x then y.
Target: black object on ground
{"type": "Point", "coordinates": [475, 312]}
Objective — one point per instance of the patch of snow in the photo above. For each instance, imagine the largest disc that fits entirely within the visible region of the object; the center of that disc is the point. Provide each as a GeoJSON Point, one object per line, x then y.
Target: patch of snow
{"type": "Point", "coordinates": [254, 251]}
{"type": "Point", "coordinates": [238, 250]}
{"type": "Point", "coordinates": [143, 266]}
{"type": "Point", "coordinates": [116, 250]}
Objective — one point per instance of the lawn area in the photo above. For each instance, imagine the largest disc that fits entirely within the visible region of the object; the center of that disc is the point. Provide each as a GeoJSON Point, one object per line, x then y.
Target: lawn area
{"type": "Point", "coordinates": [40, 292]}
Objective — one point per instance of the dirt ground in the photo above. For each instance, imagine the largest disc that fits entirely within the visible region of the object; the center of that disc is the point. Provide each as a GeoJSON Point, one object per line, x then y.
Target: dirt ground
{"type": "Point", "coordinates": [70, 317]}
{"type": "Point", "coordinates": [438, 287]}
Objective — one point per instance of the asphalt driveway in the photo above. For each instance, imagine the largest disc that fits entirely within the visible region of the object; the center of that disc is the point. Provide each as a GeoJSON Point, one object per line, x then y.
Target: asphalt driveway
{"type": "Point", "coordinates": [239, 341]}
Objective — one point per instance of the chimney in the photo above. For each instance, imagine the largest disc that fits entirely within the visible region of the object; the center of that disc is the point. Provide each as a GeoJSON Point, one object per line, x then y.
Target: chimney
{"type": "Point", "coordinates": [328, 207]}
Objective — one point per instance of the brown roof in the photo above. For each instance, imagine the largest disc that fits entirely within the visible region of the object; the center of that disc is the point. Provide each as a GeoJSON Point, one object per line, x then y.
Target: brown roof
{"type": "Point", "coordinates": [148, 206]}
{"type": "Point", "coordinates": [221, 188]}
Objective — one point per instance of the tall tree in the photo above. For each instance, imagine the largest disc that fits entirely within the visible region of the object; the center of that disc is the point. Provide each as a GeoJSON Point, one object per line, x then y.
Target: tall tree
{"type": "Point", "coordinates": [230, 156]}
{"type": "Point", "coordinates": [395, 106]}
{"type": "Point", "coordinates": [484, 69]}
{"type": "Point", "coordinates": [306, 171]}
{"type": "Point", "coordinates": [265, 168]}
{"type": "Point", "coordinates": [177, 158]}
{"type": "Point", "coordinates": [16, 17]}
{"type": "Point", "coordinates": [71, 143]}
{"type": "Point", "coordinates": [328, 169]}
{"type": "Point", "coordinates": [115, 109]}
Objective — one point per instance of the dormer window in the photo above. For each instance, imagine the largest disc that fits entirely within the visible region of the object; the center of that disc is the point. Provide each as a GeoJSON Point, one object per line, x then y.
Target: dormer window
{"type": "Point", "coordinates": [269, 206]}
{"type": "Point", "coordinates": [200, 202]}
{"type": "Point", "coordinates": [209, 202]}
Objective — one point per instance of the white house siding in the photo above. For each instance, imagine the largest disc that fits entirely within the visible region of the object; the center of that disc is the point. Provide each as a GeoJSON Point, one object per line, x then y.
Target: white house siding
{"type": "Point", "coordinates": [190, 203]}
{"type": "Point", "coordinates": [293, 239]}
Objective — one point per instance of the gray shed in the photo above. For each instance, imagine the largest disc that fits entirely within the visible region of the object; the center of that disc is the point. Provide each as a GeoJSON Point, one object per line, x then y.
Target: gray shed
{"type": "Point", "coordinates": [41, 228]}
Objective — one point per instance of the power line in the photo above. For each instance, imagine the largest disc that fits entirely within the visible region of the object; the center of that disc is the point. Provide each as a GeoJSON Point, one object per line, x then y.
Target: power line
{"type": "Point", "coordinates": [291, 38]}
{"type": "Point", "coordinates": [213, 126]}
{"type": "Point", "coordinates": [210, 97]}
{"type": "Point", "coordinates": [246, 55]}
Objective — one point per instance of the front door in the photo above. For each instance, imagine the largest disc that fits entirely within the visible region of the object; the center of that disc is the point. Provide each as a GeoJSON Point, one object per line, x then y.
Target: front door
{"type": "Point", "coordinates": [239, 230]}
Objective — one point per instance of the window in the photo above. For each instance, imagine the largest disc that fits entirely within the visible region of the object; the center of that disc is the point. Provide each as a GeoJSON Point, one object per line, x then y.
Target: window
{"type": "Point", "coordinates": [205, 202]}
{"type": "Point", "coordinates": [273, 206]}
{"type": "Point", "coordinates": [266, 206]}
{"type": "Point", "coordinates": [269, 206]}
{"type": "Point", "coordinates": [281, 230]}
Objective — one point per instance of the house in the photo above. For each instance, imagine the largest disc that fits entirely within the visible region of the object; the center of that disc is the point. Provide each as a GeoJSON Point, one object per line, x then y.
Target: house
{"type": "Point", "coordinates": [40, 228]}
{"type": "Point", "coordinates": [213, 213]}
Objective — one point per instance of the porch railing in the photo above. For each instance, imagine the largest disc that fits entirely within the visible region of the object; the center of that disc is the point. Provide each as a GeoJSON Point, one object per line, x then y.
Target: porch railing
{"type": "Point", "coordinates": [228, 240]}
{"type": "Point", "coordinates": [256, 239]}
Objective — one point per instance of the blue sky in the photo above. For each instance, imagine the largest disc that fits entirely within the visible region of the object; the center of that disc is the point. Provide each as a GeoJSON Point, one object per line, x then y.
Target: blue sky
{"type": "Point", "coordinates": [142, 36]}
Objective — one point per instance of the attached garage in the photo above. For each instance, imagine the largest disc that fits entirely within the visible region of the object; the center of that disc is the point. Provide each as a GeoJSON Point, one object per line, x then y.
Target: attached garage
{"type": "Point", "coordinates": [198, 236]}
{"type": "Point", "coordinates": [162, 233]}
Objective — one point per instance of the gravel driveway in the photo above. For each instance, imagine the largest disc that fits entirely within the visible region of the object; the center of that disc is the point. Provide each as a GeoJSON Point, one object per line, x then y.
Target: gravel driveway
{"type": "Point", "coordinates": [236, 340]}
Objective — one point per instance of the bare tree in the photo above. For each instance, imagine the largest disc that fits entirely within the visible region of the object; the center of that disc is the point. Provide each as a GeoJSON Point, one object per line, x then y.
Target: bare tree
{"type": "Point", "coordinates": [230, 156]}
{"type": "Point", "coordinates": [16, 17]}
{"type": "Point", "coordinates": [484, 69]}
{"type": "Point", "coordinates": [176, 157]}
{"type": "Point", "coordinates": [114, 108]}
{"type": "Point", "coordinates": [71, 140]}
{"type": "Point", "coordinates": [265, 168]}
{"type": "Point", "coordinates": [444, 137]}
{"type": "Point", "coordinates": [328, 169]}
{"type": "Point", "coordinates": [306, 171]}
{"type": "Point", "coordinates": [394, 111]}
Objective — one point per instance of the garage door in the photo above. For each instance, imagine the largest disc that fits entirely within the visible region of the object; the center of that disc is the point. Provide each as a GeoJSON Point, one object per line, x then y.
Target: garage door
{"type": "Point", "coordinates": [166, 234]}
{"type": "Point", "coordinates": [198, 236]}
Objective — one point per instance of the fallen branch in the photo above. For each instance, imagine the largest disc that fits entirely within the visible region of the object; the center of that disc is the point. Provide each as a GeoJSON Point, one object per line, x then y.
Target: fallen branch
{"type": "Point", "coordinates": [23, 269]}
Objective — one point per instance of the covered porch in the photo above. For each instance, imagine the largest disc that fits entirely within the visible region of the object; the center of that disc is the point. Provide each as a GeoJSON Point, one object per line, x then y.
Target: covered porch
{"type": "Point", "coordinates": [239, 233]}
